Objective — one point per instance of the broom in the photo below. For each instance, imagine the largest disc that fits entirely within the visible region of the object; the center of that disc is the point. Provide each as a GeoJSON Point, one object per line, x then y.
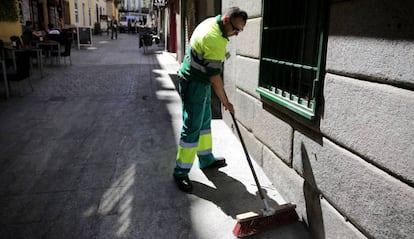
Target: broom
{"type": "Point", "coordinates": [250, 223]}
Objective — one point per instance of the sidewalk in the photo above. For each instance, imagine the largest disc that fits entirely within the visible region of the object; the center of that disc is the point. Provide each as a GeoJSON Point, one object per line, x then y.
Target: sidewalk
{"type": "Point", "coordinates": [90, 153]}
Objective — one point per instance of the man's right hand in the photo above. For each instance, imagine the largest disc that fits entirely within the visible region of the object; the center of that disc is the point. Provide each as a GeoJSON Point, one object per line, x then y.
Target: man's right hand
{"type": "Point", "coordinates": [217, 84]}
{"type": "Point", "coordinates": [229, 107]}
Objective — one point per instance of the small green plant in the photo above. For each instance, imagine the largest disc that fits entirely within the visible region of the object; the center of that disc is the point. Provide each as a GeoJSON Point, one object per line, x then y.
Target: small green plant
{"type": "Point", "coordinates": [8, 11]}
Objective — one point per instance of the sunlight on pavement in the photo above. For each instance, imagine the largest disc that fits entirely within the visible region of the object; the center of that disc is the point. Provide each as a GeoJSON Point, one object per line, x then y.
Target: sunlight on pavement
{"type": "Point", "coordinates": [117, 200]}
{"type": "Point", "coordinates": [125, 217]}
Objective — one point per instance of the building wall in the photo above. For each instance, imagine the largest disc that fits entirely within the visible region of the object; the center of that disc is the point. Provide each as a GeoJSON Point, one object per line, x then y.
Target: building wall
{"type": "Point", "coordinates": [135, 5]}
{"type": "Point", "coordinates": [111, 9]}
{"type": "Point", "coordinates": [89, 4]}
{"type": "Point", "coordinates": [8, 29]}
{"type": "Point", "coordinates": [351, 171]}
{"type": "Point", "coordinates": [179, 19]}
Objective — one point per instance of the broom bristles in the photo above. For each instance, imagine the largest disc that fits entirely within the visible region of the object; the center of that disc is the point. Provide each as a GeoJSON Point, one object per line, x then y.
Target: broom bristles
{"type": "Point", "coordinates": [255, 222]}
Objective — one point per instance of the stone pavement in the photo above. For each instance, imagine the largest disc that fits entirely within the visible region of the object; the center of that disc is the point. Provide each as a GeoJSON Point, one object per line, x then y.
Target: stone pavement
{"type": "Point", "coordinates": [90, 153]}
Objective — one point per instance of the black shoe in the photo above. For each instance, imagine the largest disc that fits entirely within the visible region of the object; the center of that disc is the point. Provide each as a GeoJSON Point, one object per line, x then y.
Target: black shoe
{"type": "Point", "coordinates": [218, 163]}
{"type": "Point", "coordinates": [183, 183]}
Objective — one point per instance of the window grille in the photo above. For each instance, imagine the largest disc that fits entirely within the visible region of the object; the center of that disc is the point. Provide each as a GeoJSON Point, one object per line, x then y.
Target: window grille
{"type": "Point", "coordinates": [292, 53]}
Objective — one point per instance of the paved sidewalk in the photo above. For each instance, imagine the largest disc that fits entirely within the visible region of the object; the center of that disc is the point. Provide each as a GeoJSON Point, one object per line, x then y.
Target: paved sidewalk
{"type": "Point", "coordinates": [90, 153]}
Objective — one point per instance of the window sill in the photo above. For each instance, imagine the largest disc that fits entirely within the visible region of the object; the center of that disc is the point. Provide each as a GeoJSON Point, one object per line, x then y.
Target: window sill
{"type": "Point", "coordinates": [308, 113]}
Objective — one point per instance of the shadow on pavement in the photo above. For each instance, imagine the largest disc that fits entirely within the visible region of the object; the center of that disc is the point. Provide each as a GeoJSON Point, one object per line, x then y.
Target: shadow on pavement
{"type": "Point", "coordinates": [232, 197]}
{"type": "Point", "coordinates": [230, 194]}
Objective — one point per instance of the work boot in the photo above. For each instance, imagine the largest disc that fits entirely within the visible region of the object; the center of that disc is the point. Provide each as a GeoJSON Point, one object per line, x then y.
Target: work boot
{"type": "Point", "coordinates": [219, 162]}
{"type": "Point", "coordinates": [183, 183]}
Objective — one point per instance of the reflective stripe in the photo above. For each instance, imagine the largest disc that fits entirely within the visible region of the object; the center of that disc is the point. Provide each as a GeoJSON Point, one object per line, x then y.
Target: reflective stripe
{"type": "Point", "coordinates": [197, 66]}
{"type": "Point", "coordinates": [184, 165]}
{"type": "Point", "coordinates": [197, 61]}
{"type": "Point", "coordinates": [213, 64]}
{"type": "Point", "coordinates": [205, 152]}
{"type": "Point", "coordinates": [205, 131]}
{"type": "Point", "coordinates": [196, 55]}
{"type": "Point", "coordinates": [188, 145]}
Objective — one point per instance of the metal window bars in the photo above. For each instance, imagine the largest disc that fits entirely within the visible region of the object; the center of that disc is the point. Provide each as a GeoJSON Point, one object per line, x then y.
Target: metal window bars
{"type": "Point", "coordinates": [291, 53]}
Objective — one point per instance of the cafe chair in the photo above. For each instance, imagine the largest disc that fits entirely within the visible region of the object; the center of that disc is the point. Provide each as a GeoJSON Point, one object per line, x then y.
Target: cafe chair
{"type": "Point", "coordinates": [54, 37]}
{"type": "Point", "coordinates": [27, 41]}
{"type": "Point", "coordinates": [16, 42]}
{"type": "Point", "coordinates": [22, 71]}
{"type": "Point", "coordinates": [4, 55]}
{"type": "Point", "coordinates": [66, 50]}
{"type": "Point", "coordinates": [146, 41]}
{"type": "Point", "coordinates": [2, 51]}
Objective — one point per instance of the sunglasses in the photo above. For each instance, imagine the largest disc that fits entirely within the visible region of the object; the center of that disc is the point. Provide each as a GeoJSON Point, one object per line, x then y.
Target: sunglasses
{"type": "Point", "coordinates": [235, 29]}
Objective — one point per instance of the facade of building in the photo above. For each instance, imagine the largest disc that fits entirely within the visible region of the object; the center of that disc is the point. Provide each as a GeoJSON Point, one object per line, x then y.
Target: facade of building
{"type": "Point", "coordinates": [324, 92]}
{"type": "Point", "coordinates": [61, 13]}
{"type": "Point", "coordinates": [187, 15]}
{"type": "Point", "coordinates": [87, 12]}
{"type": "Point", "coordinates": [139, 6]}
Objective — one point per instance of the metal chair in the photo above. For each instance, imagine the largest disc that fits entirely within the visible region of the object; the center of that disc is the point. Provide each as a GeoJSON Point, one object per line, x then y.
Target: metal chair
{"type": "Point", "coordinates": [16, 41]}
{"type": "Point", "coordinates": [22, 71]}
{"type": "Point", "coordinates": [148, 41]}
{"type": "Point", "coordinates": [66, 50]}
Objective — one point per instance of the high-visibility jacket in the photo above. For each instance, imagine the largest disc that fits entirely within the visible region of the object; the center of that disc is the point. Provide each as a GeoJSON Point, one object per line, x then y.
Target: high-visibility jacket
{"type": "Point", "coordinates": [206, 52]}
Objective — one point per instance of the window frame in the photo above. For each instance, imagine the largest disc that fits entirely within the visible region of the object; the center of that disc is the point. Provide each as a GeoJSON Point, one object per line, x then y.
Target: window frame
{"type": "Point", "coordinates": [304, 106]}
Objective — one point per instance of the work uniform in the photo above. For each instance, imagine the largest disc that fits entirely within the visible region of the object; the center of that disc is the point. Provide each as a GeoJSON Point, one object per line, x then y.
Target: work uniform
{"type": "Point", "coordinates": [204, 58]}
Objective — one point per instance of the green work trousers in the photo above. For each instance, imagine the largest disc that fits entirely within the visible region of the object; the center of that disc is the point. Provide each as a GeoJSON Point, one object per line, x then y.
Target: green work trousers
{"type": "Point", "coordinates": [195, 136]}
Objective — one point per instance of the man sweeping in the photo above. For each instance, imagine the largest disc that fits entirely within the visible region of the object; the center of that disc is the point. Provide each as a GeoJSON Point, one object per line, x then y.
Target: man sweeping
{"type": "Point", "coordinates": [200, 71]}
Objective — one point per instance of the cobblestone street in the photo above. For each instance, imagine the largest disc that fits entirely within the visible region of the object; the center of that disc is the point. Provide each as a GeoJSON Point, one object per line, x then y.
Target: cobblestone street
{"type": "Point", "coordinates": [90, 152]}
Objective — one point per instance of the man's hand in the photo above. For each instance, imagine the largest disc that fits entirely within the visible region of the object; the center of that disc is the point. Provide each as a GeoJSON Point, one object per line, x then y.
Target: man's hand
{"type": "Point", "coordinates": [229, 107]}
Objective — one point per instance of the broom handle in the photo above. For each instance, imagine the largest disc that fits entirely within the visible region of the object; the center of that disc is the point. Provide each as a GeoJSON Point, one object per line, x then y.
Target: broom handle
{"type": "Point", "coordinates": [250, 163]}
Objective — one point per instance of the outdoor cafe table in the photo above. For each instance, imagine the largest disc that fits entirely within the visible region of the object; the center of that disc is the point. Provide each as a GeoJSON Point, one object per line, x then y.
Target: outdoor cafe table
{"type": "Point", "coordinates": [48, 47]}
{"type": "Point", "coordinates": [33, 49]}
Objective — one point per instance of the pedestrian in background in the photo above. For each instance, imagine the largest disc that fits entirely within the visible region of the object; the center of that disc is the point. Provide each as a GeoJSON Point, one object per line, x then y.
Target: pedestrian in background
{"type": "Point", "coordinates": [52, 29]}
{"type": "Point", "coordinates": [114, 28]}
{"type": "Point", "coordinates": [135, 26]}
{"type": "Point", "coordinates": [29, 36]}
{"type": "Point", "coordinates": [200, 71]}
{"type": "Point", "coordinates": [129, 26]}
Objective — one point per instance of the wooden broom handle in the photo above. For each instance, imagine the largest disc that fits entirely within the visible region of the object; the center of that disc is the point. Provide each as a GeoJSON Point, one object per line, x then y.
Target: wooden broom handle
{"type": "Point", "coordinates": [248, 158]}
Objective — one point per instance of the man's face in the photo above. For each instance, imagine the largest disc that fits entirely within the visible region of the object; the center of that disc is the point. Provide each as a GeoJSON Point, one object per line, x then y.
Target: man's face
{"type": "Point", "coordinates": [234, 26]}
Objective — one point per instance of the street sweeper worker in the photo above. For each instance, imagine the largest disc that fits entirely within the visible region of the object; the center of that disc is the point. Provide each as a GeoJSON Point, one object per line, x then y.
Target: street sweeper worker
{"type": "Point", "coordinates": [199, 73]}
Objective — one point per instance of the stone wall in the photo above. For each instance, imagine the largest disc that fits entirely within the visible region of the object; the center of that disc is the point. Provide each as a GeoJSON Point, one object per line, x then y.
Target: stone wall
{"type": "Point", "coordinates": [351, 171]}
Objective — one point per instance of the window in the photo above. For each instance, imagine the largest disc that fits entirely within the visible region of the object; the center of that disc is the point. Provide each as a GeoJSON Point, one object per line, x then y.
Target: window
{"type": "Point", "coordinates": [76, 12]}
{"type": "Point", "coordinates": [292, 53]}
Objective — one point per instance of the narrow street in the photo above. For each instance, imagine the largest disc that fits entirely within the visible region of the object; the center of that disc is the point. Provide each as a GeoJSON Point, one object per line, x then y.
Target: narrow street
{"type": "Point", "coordinates": [90, 152]}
